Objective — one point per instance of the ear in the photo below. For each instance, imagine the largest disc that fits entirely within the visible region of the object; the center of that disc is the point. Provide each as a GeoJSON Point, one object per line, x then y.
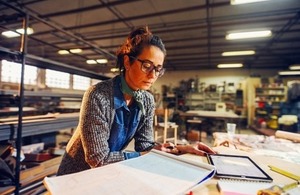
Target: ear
{"type": "Point", "coordinates": [126, 62]}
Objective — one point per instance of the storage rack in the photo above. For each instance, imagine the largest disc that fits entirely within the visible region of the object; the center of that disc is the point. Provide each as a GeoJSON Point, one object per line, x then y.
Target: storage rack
{"type": "Point", "coordinates": [208, 100]}
{"type": "Point", "coordinates": [38, 126]}
{"type": "Point", "coordinates": [8, 129]}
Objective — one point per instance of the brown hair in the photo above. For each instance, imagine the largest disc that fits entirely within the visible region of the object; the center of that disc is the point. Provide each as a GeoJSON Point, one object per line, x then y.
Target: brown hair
{"type": "Point", "coordinates": [136, 41]}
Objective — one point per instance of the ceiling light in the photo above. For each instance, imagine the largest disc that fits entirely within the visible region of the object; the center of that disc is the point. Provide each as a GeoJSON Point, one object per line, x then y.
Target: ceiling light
{"type": "Point", "coordinates": [236, 2]}
{"type": "Point", "coordinates": [91, 62]}
{"type": "Point", "coordinates": [63, 52]}
{"type": "Point", "coordinates": [102, 61]}
{"type": "Point", "coordinates": [238, 53]}
{"type": "Point", "coordinates": [295, 67]}
{"type": "Point", "coordinates": [21, 31]}
{"type": "Point", "coordinates": [75, 50]}
{"type": "Point", "coordinates": [289, 73]}
{"type": "Point", "coordinates": [248, 35]}
{"type": "Point", "coordinates": [11, 34]}
{"type": "Point", "coordinates": [230, 65]}
{"type": "Point", "coordinates": [114, 69]}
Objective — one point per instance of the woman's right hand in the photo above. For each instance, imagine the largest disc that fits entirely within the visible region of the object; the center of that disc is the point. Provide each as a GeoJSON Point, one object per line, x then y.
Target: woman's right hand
{"type": "Point", "coordinates": [198, 148]}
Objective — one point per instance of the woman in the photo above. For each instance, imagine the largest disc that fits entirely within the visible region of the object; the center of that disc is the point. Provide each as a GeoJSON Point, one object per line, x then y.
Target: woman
{"type": "Point", "coordinates": [120, 109]}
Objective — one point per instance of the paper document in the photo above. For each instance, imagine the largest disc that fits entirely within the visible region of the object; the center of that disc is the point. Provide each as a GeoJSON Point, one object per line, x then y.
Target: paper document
{"type": "Point", "coordinates": [156, 173]}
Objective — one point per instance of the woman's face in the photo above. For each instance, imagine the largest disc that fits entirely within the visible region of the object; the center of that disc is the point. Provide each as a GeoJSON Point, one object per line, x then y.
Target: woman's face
{"type": "Point", "coordinates": [134, 76]}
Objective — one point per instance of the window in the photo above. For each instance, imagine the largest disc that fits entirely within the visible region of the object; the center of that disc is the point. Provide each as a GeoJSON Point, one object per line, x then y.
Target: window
{"type": "Point", "coordinates": [95, 81]}
{"type": "Point", "coordinates": [11, 72]}
{"type": "Point", "coordinates": [81, 82]}
{"type": "Point", "coordinates": [57, 79]}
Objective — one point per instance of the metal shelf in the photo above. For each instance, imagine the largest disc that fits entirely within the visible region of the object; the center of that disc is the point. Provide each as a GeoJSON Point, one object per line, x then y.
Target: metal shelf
{"type": "Point", "coordinates": [39, 126]}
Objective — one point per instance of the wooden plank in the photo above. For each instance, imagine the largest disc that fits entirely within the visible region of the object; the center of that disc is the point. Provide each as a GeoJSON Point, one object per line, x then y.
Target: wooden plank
{"type": "Point", "coordinates": [28, 118]}
{"type": "Point", "coordinates": [34, 174]}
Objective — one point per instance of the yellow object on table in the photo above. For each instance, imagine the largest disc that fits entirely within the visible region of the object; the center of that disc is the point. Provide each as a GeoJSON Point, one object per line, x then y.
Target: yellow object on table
{"type": "Point", "coordinates": [277, 190]}
{"type": "Point", "coordinates": [273, 122]}
{"type": "Point", "coordinates": [274, 190]}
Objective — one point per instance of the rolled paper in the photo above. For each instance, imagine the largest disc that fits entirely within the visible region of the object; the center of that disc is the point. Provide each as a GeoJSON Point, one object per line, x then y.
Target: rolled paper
{"type": "Point", "coordinates": [295, 137]}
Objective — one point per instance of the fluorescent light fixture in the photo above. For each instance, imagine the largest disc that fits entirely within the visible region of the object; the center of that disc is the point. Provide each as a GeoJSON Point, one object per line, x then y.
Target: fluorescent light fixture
{"type": "Point", "coordinates": [91, 62]}
{"type": "Point", "coordinates": [21, 31]}
{"type": "Point", "coordinates": [295, 67]}
{"type": "Point", "coordinates": [289, 73]}
{"type": "Point", "coordinates": [238, 65]}
{"type": "Point", "coordinates": [75, 50]}
{"type": "Point", "coordinates": [102, 61]}
{"type": "Point", "coordinates": [11, 34]}
{"type": "Point", "coordinates": [98, 61]}
{"type": "Point", "coordinates": [114, 69]}
{"type": "Point", "coordinates": [238, 53]}
{"type": "Point", "coordinates": [236, 2]}
{"type": "Point", "coordinates": [63, 52]}
{"type": "Point", "coordinates": [248, 35]}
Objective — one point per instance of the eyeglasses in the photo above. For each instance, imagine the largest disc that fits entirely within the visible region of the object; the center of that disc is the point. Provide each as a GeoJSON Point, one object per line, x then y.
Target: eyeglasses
{"type": "Point", "coordinates": [147, 67]}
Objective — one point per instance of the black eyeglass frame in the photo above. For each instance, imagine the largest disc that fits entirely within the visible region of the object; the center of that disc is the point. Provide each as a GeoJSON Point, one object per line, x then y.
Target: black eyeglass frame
{"type": "Point", "coordinates": [147, 70]}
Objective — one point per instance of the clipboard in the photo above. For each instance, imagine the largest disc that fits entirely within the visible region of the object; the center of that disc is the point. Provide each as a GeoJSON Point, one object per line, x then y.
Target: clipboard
{"type": "Point", "coordinates": [237, 167]}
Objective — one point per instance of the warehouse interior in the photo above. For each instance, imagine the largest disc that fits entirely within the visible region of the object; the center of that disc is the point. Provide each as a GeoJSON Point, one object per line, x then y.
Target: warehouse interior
{"type": "Point", "coordinates": [70, 45]}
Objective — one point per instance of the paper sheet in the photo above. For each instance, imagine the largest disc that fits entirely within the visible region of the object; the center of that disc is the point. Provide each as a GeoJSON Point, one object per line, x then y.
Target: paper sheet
{"type": "Point", "coordinates": [149, 174]}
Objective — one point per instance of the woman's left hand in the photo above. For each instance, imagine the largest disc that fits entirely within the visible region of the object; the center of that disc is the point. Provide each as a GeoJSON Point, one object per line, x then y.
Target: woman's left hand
{"type": "Point", "coordinates": [165, 147]}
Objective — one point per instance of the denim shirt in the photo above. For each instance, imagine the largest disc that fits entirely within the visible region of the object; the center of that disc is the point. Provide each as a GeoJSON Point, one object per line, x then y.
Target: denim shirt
{"type": "Point", "coordinates": [95, 137]}
{"type": "Point", "coordinates": [125, 123]}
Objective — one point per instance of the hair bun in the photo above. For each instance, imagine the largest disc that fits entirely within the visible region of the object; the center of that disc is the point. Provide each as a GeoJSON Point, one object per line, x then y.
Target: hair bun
{"type": "Point", "coordinates": [140, 32]}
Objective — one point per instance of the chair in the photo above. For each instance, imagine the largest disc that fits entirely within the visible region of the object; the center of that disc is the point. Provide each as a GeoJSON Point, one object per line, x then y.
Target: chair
{"type": "Point", "coordinates": [162, 130]}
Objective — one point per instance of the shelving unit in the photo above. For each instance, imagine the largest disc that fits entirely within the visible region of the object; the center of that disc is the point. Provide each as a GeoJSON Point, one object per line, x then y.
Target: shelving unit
{"type": "Point", "coordinates": [271, 94]}
{"type": "Point", "coordinates": [13, 126]}
{"type": "Point", "coordinates": [208, 100]}
{"type": "Point", "coordinates": [39, 102]}
{"type": "Point", "coordinates": [267, 102]}
{"type": "Point", "coordinates": [38, 125]}
{"type": "Point", "coordinates": [231, 101]}
{"type": "Point", "coordinates": [195, 101]}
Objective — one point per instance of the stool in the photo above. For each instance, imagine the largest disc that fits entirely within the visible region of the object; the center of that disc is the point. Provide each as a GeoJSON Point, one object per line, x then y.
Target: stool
{"type": "Point", "coordinates": [196, 122]}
